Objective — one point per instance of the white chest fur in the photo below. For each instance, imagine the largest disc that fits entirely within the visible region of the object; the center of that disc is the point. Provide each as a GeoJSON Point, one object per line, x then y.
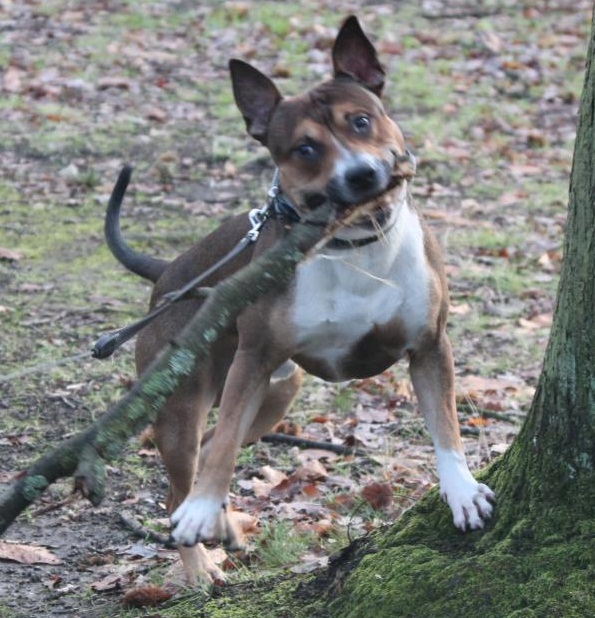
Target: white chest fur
{"type": "Point", "coordinates": [341, 295]}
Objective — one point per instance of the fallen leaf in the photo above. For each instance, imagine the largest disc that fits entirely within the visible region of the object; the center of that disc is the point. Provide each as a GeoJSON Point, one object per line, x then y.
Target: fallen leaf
{"type": "Point", "coordinates": [115, 581]}
{"type": "Point", "coordinates": [156, 114]}
{"type": "Point", "coordinates": [147, 596]}
{"type": "Point", "coordinates": [498, 449]}
{"type": "Point", "coordinates": [375, 415]}
{"type": "Point", "coordinates": [10, 255]}
{"type": "Point", "coordinates": [542, 320]}
{"type": "Point", "coordinates": [310, 471]}
{"type": "Point", "coordinates": [272, 475]}
{"type": "Point", "coordinates": [247, 523]}
{"type": "Point", "coordinates": [12, 80]}
{"type": "Point", "coordinates": [462, 309]}
{"type": "Point", "coordinates": [378, 495]}
{"type": "Point", "coordinates": [27, 554]}
{"type": "Point", "coordinates": [262, 489]}
{"type": "Point", "coordinates": [288, 428]}
{"type": "Point", "coordinates": [52, 582]}
{"type": "Point", "coordinates": [122, 83]}
{"type": "Point", "coordinates": [478, 421]}
{"type": "Point", "coordinates": [310, 491]}
{"type": "Point", "coordinates": [472, 383]}
{"type": "Point", "coordinates": [491, 41]}
{"type": "Point", "coordinates": [28, 288]}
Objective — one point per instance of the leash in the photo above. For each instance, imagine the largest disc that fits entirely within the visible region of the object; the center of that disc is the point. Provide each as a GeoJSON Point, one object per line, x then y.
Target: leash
{"type": "Point", "coordinates": [108, 343]}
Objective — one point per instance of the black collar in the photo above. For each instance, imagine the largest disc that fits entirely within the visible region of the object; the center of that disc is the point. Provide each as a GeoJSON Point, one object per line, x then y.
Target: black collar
{"type": "Point", "coordinates": [283, 209]}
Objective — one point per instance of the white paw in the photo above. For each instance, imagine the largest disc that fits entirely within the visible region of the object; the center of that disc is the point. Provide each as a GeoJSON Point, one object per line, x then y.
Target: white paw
{"type": "Point", "coordinates": [202, 518]}
{"type": "Point", "coordinates": [471, 502]}
{"type": "Point", "coordinates": [471, 505]}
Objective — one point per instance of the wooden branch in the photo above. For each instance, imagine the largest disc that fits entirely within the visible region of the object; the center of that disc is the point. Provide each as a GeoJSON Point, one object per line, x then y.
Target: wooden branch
{"type": "Point", "coordinates": [86, 453]}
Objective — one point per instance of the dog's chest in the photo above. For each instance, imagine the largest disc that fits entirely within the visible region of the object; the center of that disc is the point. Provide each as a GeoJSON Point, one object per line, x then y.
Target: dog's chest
{"type": "Point", "coordinates": [356, 311]}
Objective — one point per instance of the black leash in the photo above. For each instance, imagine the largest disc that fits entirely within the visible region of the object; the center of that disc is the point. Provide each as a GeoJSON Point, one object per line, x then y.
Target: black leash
{"type": "Point", "coordinates": [108, 343]}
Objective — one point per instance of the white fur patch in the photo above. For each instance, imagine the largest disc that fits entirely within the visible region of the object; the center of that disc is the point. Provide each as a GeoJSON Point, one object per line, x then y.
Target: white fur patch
{"type": "Point", "coordinates": [469, 501]}
{"type": "Point", "coordinates": [340, 295]}
{"type": "Point", "coordinates": [198, 518]}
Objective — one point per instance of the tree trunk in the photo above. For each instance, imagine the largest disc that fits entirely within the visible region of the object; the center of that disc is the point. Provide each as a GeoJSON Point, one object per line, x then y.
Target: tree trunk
{"type": "Point", "coordinates": [537, 559]}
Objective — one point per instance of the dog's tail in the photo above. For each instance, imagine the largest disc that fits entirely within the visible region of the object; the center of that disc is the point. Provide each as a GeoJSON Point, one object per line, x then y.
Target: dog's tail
{"type": "Point", "coordinates": [143, 265]}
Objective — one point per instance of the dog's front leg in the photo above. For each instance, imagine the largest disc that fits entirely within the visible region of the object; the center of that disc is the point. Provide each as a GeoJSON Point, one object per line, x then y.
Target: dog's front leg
{"type": "Point", "coordinates": [204, 515]}
{"type": "Point", "coordinates": [432, 373]}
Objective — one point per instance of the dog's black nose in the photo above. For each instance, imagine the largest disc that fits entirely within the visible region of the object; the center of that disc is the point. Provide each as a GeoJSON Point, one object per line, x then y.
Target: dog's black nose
{"type": "Point", "coordinates": [361, 178]}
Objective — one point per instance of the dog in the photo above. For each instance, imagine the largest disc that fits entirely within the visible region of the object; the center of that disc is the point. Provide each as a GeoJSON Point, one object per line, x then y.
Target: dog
{"type": "Point", "coordinates": [375, 293]}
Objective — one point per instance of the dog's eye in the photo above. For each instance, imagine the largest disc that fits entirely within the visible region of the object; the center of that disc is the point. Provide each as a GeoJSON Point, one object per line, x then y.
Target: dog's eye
{"type": "Point", "coordinates": [361, 124]}
{"type": "Point", "coordinates": [306, 151]}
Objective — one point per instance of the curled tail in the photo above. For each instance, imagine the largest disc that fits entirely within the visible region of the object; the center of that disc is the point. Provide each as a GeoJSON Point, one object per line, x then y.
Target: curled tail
{"type": "Point", "coordinates": [143, 265]}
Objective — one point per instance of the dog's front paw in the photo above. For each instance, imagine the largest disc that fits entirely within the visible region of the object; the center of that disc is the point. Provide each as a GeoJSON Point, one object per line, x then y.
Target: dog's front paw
{"type": "Point", "coordinates": [471, 502]}
{"type": "Point", "coordinates": [201, 518]}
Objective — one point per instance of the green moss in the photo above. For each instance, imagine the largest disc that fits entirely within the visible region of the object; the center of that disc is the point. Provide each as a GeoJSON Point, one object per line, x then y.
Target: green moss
{"type": "Point", "coordinates": [542, 565]}
{"type": "Point", "coordinates": [413, 581]}
{"type": "Point", "coordinates": [34, 486]}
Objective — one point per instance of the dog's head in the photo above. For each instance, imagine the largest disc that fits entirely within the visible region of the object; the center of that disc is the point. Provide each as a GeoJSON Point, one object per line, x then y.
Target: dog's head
{"type": "Point", "coordinates": [336, 141]}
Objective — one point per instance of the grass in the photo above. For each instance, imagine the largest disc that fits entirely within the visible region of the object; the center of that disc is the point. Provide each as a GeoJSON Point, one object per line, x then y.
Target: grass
{"type": "Point", "coordinates": [281, 545]}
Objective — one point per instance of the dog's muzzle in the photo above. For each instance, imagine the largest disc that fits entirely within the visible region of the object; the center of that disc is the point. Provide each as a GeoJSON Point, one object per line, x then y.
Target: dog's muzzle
{"type": "Point", "coordinates": [361, 182]}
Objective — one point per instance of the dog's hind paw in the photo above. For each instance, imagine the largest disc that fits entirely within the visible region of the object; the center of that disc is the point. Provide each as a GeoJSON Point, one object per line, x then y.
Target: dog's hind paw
{"type": "Point", "coordinates": [201, 518]}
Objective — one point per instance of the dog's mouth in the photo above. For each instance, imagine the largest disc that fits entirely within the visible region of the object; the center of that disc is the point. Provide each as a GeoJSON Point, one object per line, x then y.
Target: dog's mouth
{"type": "Point", "coordinates": [376, 206]}
{"type": "Point", "coordinates": [366, 183]}
{"type": "Point", "coordinates": [375, 214]}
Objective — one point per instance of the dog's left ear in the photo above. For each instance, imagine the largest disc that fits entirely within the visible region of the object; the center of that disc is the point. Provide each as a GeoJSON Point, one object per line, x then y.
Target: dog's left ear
{"type": "Point", "coordinates": [255, 95]}
{"type": "Point", "coordinates": [355, 57]}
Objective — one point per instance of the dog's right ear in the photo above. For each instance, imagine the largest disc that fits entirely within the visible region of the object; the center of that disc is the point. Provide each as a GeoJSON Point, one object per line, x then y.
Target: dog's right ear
{"type": "Point", "coordinates": [256, 96]}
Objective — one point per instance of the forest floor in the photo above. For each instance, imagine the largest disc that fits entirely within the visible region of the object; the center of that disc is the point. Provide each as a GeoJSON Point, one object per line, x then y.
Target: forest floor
{"type": "Point", "coordinates": [487, 96]}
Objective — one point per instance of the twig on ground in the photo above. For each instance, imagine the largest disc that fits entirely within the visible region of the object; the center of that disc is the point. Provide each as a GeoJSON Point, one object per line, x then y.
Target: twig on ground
{"type": "Point", "coordinates": [283, 438]}
{"type": "Point", "coordinates": [467, 408]}
{"type": "Point", "coordinates": [142, 532]}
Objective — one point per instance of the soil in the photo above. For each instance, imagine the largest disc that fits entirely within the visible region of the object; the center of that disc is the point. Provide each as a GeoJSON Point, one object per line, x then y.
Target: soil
{"type": "Point", "coordinates": [488, 103]}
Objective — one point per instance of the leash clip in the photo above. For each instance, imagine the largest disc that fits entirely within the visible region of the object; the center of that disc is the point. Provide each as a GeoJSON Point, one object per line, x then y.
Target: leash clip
{"type": "Point", "coordinates": [259, 216]}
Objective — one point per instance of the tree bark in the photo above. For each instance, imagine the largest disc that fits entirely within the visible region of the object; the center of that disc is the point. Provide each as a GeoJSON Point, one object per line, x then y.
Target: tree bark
{"type": "Point", "coordinates": [85, 455]}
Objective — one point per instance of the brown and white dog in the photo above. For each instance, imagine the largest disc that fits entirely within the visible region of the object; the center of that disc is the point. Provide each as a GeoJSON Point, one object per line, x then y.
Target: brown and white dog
{"type": "Point", "coordinates": [375, 293]}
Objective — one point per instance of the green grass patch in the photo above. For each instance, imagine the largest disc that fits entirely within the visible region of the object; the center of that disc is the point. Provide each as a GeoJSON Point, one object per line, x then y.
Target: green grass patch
{"type": "Point", "coordinates": [281, 545]}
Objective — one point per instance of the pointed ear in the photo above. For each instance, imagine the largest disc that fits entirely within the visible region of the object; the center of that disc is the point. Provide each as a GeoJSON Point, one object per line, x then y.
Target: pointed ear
{"type": "Point", "coordinates": [355, 56]}
{"type": "Point", "coordinates": [256, 96]}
